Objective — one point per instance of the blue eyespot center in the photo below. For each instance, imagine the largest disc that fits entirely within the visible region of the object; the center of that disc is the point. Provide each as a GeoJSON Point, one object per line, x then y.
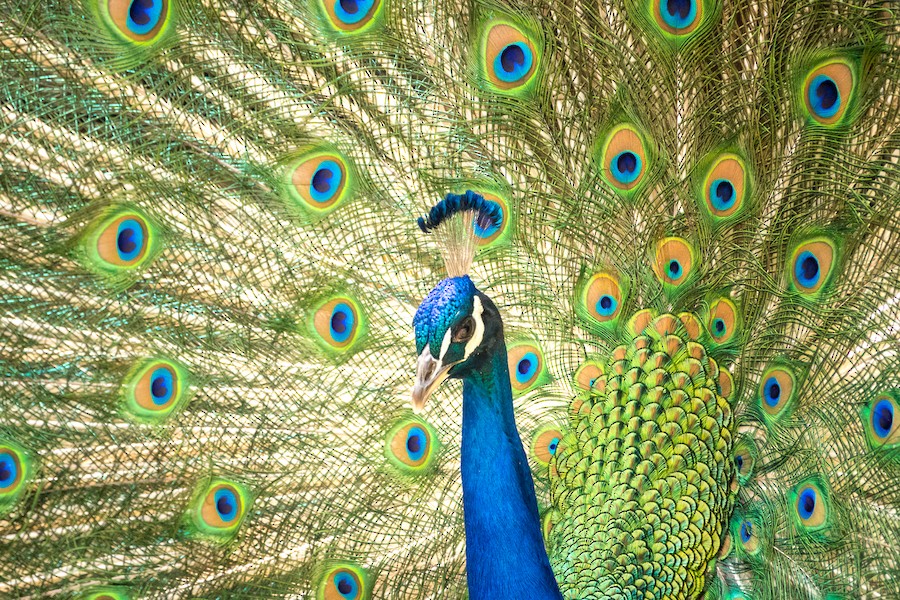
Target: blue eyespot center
{"type": "Point", "coordinates": [144, 15]}
{"type": "Point", "coordinates": [772, 392]}
{"type": "Point", "coordinates": [719, 327]}
{"type": "Point", "coordinates": [129, 240]}
{"type": "Point", "coordinates": [722, 194]}
{"type": "Point", "coordinates": [807, 269]}
{"type": "Point", "coordinates": [527, 367]}
{"type": "Point", "coordinates": [883, 418]}
{"type": "Point", "coordinates": [342, 321]}
{"type": "Point", "coordinates": [416, 443]}
{"type": "Point", "coordinates": [513, 62]}
{"type": "Point", "coordinates": [824, 96]}
{"type": "Point", "coordinates": [226, 504]}
{"type": "Point", "coordinates": [326, 181]}
{"type": "Point", "coordinates": [345, 585]}
{"type": "Point", "coordinates": [161, 386]}
{"type": "Point", "coordinates": [674, 269]}
{"type": "Point", "coordinates": [746, 531]}
{"type": "Point", "coordinates": [806, 503]}
{"type": "Point", "coordinates": [739, 462]}
{"type": "Point", "coordinates": [678, 14]}
{"type": "Point", "coordinates": [553, 445]}
{"type": "Point", "coordinates": [352, 12]}
{"type": "Point", "coordinates": [625, 167]}
{"type": "Point", "coordinates": [8, 470]}
{"type": "Point", "coordinates": [606, 305]}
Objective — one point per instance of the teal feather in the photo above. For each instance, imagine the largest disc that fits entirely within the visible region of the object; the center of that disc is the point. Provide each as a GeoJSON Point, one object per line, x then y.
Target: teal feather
{"type": "Point", "coordinates": [196, 132]}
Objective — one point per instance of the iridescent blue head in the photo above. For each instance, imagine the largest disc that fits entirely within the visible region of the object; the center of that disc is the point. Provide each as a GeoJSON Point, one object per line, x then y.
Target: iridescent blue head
{"type": "Point", "coordinates": [456, 323]}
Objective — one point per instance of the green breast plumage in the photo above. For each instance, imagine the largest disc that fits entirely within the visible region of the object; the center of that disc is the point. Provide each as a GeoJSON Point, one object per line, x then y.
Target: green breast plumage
{"type": "Point", "coordinates": [641, 484]}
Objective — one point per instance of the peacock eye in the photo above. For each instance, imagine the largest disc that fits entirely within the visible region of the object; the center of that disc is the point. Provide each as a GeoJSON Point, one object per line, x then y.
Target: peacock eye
{"type": "Point", "coordinates": [465, 331]}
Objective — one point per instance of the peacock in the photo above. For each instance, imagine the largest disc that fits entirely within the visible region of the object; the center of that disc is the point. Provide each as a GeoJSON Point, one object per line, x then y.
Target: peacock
{"type": "Point", "coordinates": [437, 299]}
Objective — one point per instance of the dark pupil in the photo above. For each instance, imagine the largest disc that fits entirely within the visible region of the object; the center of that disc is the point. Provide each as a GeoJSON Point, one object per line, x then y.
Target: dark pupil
{"type": "Point", "coordinates": [512, 57]}
{"type": "Point", "coordinates": [774, 391]}
{"type": "Point", "coordinates": [885, 418]}
{"type": "Point", "coordinates": [627, 162]}
{"type": "Point", "coordinates": [322, 180]}
{"type": "Point", "coordinates": [810, 267]}
{"type": "Point", "coordinates": [413, 444]}
{"type": "Point", "coordinates": [344, 586]}
{"type": "Point", "coordinates": [126, 241]}
{"type": "Point", "coordinates": [605, 302]}
{"type": "Point", "coordinates": [5, 471]}
{"type": "Point", "coordinates": [827, 93]}
{"type": "Point", "coordinates": [809, 503]}
{"type": "Point", "coordinates": [158, 387]}
{"type": "Point", "coordinates": [223, 505]}
{"type": "Point", "coordinates": [679, 7]}
{"type": "Point", "coordinates": [720, 325]}
{"type": "Point", "coordinates": [140, 11]}
{"type": "Point", "coordinates": [674, 267]}
{"type": "Point", "coordinates": [746, 531]}
{"type": "Point", "coordinates": [339, 322]}
{"type": "Point", "coordinates": [552, 446]}
{"type": "Point", "coordinates": [350, 6]}
{"type": "Point", "coordinates": [739, 461]}
{"type": "Point", "coordinates": [524, 365]}
{"type": "Point", "coordinates": [724, 191]}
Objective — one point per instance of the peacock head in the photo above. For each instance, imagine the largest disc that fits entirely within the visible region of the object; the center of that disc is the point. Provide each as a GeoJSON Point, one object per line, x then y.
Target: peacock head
{"type": "Point", "coordinates": [456, 326]}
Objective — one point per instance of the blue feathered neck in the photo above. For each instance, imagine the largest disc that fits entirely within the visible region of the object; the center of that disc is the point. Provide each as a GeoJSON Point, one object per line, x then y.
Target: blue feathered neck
{"type": "Point", "coordinates": [505, 554]}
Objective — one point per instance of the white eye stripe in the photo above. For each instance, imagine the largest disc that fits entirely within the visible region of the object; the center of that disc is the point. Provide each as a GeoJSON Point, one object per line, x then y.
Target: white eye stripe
{"type": "Point", "coordinates": [475, 341]}
{"type": "Point", "coordinates": [445, 345]}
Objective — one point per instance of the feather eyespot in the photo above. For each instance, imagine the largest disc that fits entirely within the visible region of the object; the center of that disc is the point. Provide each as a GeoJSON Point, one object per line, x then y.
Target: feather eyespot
{"type": "Point", "coordinates": [154, 389]}
{"type": "Point", "coordinates": [677, 17]}
{"type": "Point", "coordinates": [812, 263]}
{"type": "Point", "coordinates": [118, 244]}
{"type": "Point", "coordinates": [351, 15]}
{"type": "Point", "coordinates": [674, 261]}
{"type": "Point", "coordinates": [827, 91]}
{"type": "Point", "coordinates": [776, 391]}
{"type": "Point", "coordinates": [544, 444]}
{"type": "Point", "coordinates": [492, 232]}
{"type": "Point", "coordinates": [747, 535]}
{"type": "Point", "coordinates": [526, 365]}
{"type": "Point", "coordinates": [411, 445]}
{"type": "Point", "coordinates": [744, 460]}
{"type": "Point", "coordinates": [725, 186]}
{"type": "Point", "coordinates": [624, 158]}
{"type": "Point", "coordinates": [139, 21]}
{"type": "Point", "coordinates": [810, 505]}
{"type": "Point", "coordinates": [601, 298]}
{"type": "Point", "coordinates": [343, 581]}
{"type": "Point", "coordinates": [723, 321]}
{"type": "Point", "coordinates": [510, 56]}
{"type": "Point", "coordinates": [318, 182]}
{"type": "Point", "coordinates": [337, 323]}
{"type": "Point", "coordinates": [220, 508]}
{"type": "Point", "coordinates": [588, 375]}
{"type": "Point", "coordinates": [15, 471]}
{"type": "Point", "coordinates": [880, 420]}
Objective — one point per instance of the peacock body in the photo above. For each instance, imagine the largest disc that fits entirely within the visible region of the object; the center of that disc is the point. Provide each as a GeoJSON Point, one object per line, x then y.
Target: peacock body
{"type": "Point", "coordinates": [685, 374]}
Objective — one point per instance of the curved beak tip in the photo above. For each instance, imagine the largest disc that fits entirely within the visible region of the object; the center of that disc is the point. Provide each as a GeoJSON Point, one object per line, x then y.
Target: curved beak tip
{"type": "Point", "coordinates": [430, 373]}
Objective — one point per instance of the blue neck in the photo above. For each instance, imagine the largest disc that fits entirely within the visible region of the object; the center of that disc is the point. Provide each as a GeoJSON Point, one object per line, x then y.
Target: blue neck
{"type": "Point", "coordinates": [505, 555]}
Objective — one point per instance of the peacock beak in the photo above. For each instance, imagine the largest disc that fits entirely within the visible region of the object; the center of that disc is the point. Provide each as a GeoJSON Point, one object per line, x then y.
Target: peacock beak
{"type": "Point", "coordinates": [430, 372]}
